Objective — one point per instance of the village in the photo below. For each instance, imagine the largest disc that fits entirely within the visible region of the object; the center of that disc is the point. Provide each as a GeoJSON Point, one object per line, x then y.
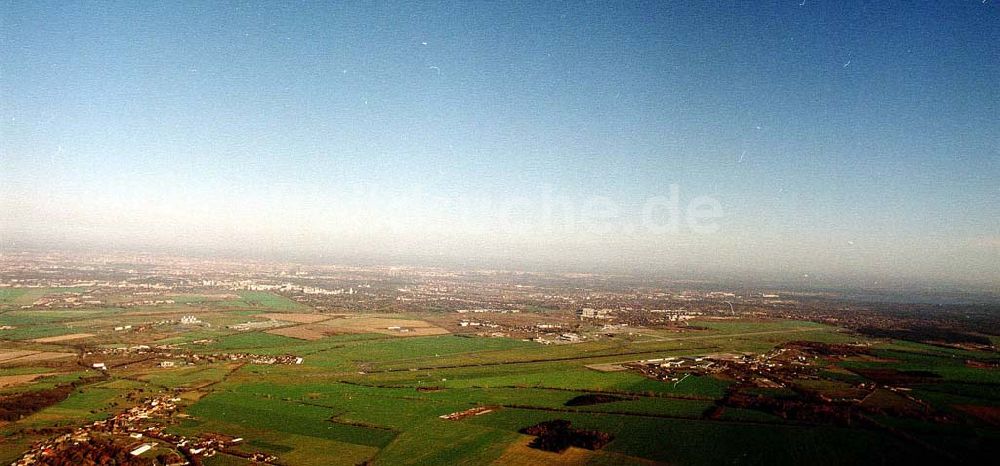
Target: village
{"type": "Point", "coordinates": [792, 381]}
{"type": "Point", "coordinates": [168, 356]}
{"type": "Point", "coordinates": [139, 431]}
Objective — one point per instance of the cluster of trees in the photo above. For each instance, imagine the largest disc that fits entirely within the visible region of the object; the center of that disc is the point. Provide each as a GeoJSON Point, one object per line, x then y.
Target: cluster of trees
{"type": "Point", "coordinates": [818, 412]}
{"type": "Point", "coordinates": [593, 399]}
{"type": "Point", "coordinates": [16, 406]}
{"type": "Point", "coordinates": [928, 334]}
{"type": "Point", "coordinates": [795, 409]}
{"type": "Point", "coordinates": [558, 435]}
{"type": "Point", "coordinates": [170, 458]}
{"type": "Point", "coordinates": [826, 349]}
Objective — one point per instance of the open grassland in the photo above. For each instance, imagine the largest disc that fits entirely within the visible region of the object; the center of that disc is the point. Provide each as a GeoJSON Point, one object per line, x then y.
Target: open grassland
{"type": "Point", "coordinates": [387, 326]}
{"type": "Point", "coordinates": [45, 316]}
{"type": "Point", "coordinates": [519, 453]}
{"type": "Point", "coordinates": [12, 380]}
{"type": "Point", "coordinates": [295, 431]}
{"type": "Point", "coordinates": [29, 324]}
{"type": "Point", "coordinates": [267, 343]}
{"type": "Point", "coordinates": [250, 341]}
{"type": "Point", "coordinates": [27, 356]}
{"type": "Point", "coordinates": [190, 377]}
{"type": "Point", "coordinates": [10, 294]}
{"type": "Point", "coordinates": [727, 337]}
{"type": "Point", "coordinates": [376, 352]}
{"type": "Point", "coordinates": [11, 354]}
{"type": "Point", "coordinates": [442, 442]}
{"type": "Point", "coordinates": [193, 298]}
{"type": "Point", "coordinates": [26, 296]}
{"type": "Point", "coordinates": [263, 300]}
{"type": "Point", "coordinates": [308, 450]}
{"type": "Point", "coordinates": [557, 375]}
{"type": "Point", "coordinates": [33, 332]}
{"type": "Point", "coordinates": [43, 383]}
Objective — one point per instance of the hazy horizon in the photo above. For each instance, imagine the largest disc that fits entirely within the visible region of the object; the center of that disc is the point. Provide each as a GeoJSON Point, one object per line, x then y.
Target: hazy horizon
{"type": "Point", "coordinates": [846, 143]}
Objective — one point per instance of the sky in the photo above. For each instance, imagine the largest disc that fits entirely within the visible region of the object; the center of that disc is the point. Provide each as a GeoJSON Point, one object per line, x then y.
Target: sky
{"type": "Point", "coordinates": [792, 139]}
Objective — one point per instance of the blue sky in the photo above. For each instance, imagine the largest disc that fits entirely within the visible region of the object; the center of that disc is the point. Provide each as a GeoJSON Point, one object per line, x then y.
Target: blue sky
{"type": "Point", "coordinates": [839, 139]}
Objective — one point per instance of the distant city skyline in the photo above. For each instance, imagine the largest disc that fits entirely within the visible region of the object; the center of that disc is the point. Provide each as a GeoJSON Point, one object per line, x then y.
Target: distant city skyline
{"type": "Point", "coordinates": [831, 140]}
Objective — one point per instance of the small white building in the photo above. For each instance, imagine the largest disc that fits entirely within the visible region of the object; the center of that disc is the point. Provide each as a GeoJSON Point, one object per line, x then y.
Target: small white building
{"type": "Point", "coordinates": [141, 449]}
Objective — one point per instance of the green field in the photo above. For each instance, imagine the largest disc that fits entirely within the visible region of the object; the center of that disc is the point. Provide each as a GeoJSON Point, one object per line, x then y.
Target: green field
{"type": "Point", "coordinates": [11, 294]}
{"type": "Point", "coordinates": [263, 300]}
{"type": "Point", "coordinates": [24, 296]}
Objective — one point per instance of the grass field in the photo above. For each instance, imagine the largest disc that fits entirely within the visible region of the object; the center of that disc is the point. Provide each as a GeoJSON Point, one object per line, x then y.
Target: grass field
{"type": "Point", "coordinates": [10, 294]}
{"type": "Point", "coordinates": [25, 296]}
{"type": "Point", "coordinates": [286, 416]}
{"type": "Point", "coordinates": [263, 300]}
